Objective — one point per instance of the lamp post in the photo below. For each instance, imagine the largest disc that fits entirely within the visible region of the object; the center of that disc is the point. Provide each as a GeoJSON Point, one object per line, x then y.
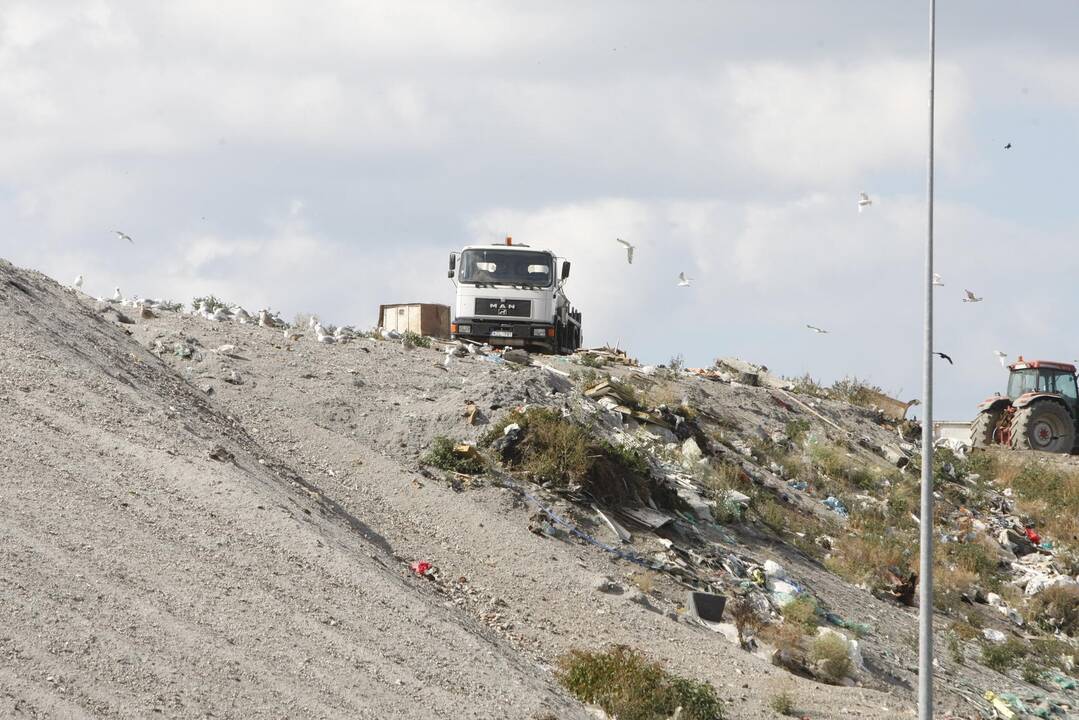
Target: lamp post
{"type": "Point", "coordinates": [925, 597]}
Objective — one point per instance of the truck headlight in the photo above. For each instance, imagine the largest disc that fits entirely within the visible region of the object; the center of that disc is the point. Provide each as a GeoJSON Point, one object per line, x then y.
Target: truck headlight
{"type": "Point", "coordinates": [539, 332]}
{"type": "Point", "coordinates": [464, 329]}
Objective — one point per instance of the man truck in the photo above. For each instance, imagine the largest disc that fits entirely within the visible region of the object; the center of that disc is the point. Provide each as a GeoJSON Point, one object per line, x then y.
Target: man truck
{"type": "Point", "coordinates": [513, 296]}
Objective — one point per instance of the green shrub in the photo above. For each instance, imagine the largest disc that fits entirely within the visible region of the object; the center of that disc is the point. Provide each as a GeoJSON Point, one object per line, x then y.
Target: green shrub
{"type": "Point", "coordinates": [1056, 609]}
{"type": "Point", "coordinates": [782, 703]}
{"type": "Point", "coordinates": [629, 686]}
{"type": "Point", "coordinates": [417, 339]}
{"type": "Point", "coordinates": [1033, 672]}
{"type": "Point", "coordinates": [444, 455]}
{"type": "Point", "coordinates": [828, 652]}
{"type": "Point", "coordinates": [797, 430]}
{"type": "Point", "coordinates": [213, 303]}
{"type": "Point", "coordinates": [801, 612]}
{"type": "Point", "coordinates": [1004, 656]}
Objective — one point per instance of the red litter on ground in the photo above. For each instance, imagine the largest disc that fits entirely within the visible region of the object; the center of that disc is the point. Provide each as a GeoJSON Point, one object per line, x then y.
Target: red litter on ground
{"type": "Point", "coordinates": [420, 567]}
{"type": "Point", "coordinates": [1033, 536]}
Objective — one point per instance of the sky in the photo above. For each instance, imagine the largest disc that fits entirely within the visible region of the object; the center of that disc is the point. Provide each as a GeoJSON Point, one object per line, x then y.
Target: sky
{"type": "Point", "coordinates": [327, 157]}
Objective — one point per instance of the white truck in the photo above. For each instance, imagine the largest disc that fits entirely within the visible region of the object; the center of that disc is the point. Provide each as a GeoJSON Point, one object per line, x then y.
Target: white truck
{"type": "Point", "coordinates": [512, 295]}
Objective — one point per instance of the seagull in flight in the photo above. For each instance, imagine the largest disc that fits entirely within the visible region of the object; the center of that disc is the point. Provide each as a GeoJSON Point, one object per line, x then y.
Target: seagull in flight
{"type": "Point", "coordinates": [863, 201]}
{"type": "Point", "coordinates": [971, 297]}
{"type": "Point", "coordinates": [1001, 357]}
{"type": "Point", "coordinates": [937, 282]}
{"type": "Point", "coordinates": [629, 249]}
{"type": "Point", "coordinates": [1008, 146]}
{"type": "Point", "coordinates": [124, 236]}
{"type": "Point", "coordinates": [684, 281]}
{"type": "Point", "coordinates": [944, 357]}
{"type": "Point", "coordinates": [814, 328]}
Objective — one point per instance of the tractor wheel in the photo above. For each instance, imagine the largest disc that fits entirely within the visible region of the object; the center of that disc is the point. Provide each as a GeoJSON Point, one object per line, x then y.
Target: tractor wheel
{"type": "Point", "coordinates": [984, 427]}
{"type": "Point", "coordinates": [1044, 425]}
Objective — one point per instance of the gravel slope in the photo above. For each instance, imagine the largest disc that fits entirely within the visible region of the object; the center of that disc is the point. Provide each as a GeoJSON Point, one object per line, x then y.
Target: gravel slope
{"type": "Point", "coordinates": [142, 578]}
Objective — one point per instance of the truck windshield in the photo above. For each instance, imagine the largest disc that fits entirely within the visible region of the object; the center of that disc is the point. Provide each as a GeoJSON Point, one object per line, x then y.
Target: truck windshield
{"type": "Point", "coordinates": [1032, 380]}
{"type": "Point", "coordinates": [506, 267]}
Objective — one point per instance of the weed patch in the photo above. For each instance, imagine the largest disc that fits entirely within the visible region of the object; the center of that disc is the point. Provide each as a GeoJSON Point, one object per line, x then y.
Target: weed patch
{"type": "Point", "coordinates": [444, 455]}
{"type": "Point", "coordinates": [829, 654]}
{"type": "Point", "coordinates": [627, 685]}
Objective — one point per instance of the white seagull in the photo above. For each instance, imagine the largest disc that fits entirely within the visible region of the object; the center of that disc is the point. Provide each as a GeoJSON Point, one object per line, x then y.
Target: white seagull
{"type": "Point", "coordinates": [124, 236]}
{"type": "Point", "coordinates": [863, 201]}
{"type": "Point", "coordinates": [117, 296]}
{"type": "Point", "coordinates": [814, 328]}
{"type": "Point", "coordinates": [322, 335]}
{"type": "Point", "coordinates": [937, 281]}
{"type": "Point", "coordinates": [221, 314]}
{"type": "Point", "coordinates": [1000, 356]}
{"type": "Point", "coordinates": [629, 249]}
{"type": "Point", "coordinates": [242, 316]}
{"type": "Point", "coordinates": [971, 297]}
{"type": "Point", "coordinates": [684, 281]}
{"type": "Point", "coordinates": [264, 319]}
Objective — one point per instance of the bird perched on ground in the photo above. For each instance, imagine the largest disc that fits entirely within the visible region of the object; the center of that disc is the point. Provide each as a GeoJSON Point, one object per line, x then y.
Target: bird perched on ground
{"type": "Point", "coordinates": [1008, 146]}
{"type": "Point", "coordinates": [264, 319]}
{"type": "Point", "coordinates": [117, 296]}
{"type": "Point", "coordinates": [683, 281]}
{"type": "Point", "coordinates": [937, 281]}
{"type": "Point", "coordinates": [221, 314]}
{"type": "Point", "coordinates": [124, 236]}
{"type": "Point", "coordinates": [971, 297]}
{"type": "Point", "coordinates": [322, 336]}
{"type": "Point", "coordinates": [1001, 357]}
{"type": "Point", "coordinates": [629, 249]}
{"type": "Point", "coordinates": [242, 316]}
{"type": "Point", "coordinates": [944, 357]}
{"type": "Point", "coordinates": [312, 322]}
{"type": "Point", "coordinates": [863, 201]}
{"type": "Point", "coordinates": [814, 328]}
{"type": "Point", "coordinates": [78, 281]}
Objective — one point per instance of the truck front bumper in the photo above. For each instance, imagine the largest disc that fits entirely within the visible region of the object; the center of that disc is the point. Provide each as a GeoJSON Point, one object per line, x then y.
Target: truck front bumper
{"type": "Point", "coordinates": [517, 334]}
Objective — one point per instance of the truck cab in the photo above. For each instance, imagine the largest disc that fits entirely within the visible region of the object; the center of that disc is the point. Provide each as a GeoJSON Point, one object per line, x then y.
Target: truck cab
{"type": "Point", "coordinates": [513, 296]}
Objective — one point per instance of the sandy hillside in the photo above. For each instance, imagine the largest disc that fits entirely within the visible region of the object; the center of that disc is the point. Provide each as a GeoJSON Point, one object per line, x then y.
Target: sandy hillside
{"type": "Point", "coordinates": [159, 561]}
{"type": "Point", "coordinates": [274, 580]}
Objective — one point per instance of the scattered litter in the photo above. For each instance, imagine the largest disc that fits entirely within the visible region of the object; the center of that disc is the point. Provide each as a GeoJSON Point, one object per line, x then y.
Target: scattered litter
{"type": "Point", "coordinates": [706, 606]}
{"type": "Point", "coordinates": [993, 635]}
{"type": "Point", "coordinates": [421, 567]}
{"type": "Point", "coordinates": [836, 504]}
{"type": "Point", "coordinates": [617, 529]}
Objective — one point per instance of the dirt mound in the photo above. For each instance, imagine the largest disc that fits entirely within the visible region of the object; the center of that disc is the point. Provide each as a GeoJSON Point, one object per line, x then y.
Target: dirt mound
{"type": "Point", "coordinates": [160, 560]}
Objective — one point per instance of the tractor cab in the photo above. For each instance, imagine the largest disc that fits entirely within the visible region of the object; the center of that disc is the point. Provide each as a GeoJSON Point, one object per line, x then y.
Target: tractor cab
{"type": "Point", "coordinates": [1040, 411]}
{"type": "Point", "coordinates": [1039, 376]}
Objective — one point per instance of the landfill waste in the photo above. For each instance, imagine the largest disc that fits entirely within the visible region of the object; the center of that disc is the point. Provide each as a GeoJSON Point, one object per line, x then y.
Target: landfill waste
{"type": "Point", "coordinates": [421, 567]}
{"type": "Point", "coordinates": [836, 504]}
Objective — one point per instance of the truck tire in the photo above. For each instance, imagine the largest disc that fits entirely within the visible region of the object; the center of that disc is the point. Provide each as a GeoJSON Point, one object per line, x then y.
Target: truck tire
{"type": "Point", "coordinates": [983, 428]}
{"type": "Point", "coordinates": [1043, 425]}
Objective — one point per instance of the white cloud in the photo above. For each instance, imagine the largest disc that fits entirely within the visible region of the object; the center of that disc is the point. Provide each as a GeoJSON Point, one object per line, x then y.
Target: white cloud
{"type": "Point", "coordinates": [804, 123]}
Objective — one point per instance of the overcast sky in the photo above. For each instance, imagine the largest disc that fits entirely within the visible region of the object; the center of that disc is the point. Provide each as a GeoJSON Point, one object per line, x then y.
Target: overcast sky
{"type": "Point", "coordinates": [327, 157]}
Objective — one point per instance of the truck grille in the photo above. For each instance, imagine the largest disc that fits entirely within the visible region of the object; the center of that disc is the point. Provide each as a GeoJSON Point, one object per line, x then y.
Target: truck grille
{"type": "Point", "coordinates": [503, 308]}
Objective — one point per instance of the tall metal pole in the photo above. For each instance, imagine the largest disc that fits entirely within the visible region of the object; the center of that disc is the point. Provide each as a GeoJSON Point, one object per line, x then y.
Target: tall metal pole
{"type": "Point", "coordinates": [925, 598]}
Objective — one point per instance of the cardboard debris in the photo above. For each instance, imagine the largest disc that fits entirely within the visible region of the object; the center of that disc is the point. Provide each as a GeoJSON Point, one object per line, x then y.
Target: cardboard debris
{"type": "Point", "coordinates": [614, 397]}
{"type": "Point", "coordinates": [649, 518]}
{"type": "Point", "coordinates": [614, 356]}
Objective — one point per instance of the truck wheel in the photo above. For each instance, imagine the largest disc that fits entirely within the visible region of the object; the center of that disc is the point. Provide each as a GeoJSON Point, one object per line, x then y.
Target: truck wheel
{"type": "Point", "coordinates": [1044, 426]}
{"type": "Point", "coordinates": [983, 428]}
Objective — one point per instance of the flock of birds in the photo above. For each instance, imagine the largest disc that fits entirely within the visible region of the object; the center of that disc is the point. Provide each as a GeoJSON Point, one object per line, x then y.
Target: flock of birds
{"type": "Point", "coordinates": [864, 202]}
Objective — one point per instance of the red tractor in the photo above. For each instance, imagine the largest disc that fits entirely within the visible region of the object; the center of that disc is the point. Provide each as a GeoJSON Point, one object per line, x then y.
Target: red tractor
{"type": "Point", "coordinates": [1038, 413]}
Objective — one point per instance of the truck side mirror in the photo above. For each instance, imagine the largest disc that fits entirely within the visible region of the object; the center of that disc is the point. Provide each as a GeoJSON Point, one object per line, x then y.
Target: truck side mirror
{"type": "Point", "coordinates": [453, 265]}
{"type": "Point", "coordinates": [565, 269]}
